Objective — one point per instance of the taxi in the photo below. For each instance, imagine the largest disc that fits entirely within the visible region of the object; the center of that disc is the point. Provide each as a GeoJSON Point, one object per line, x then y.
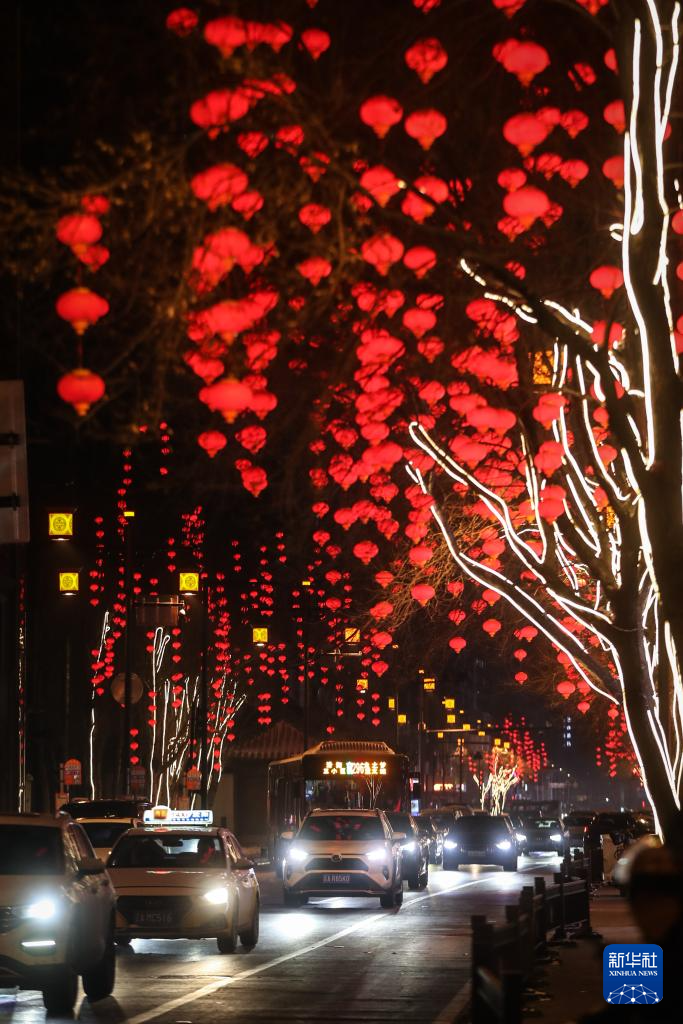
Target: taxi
{"type": "Point", "coordinates": [179, 877]}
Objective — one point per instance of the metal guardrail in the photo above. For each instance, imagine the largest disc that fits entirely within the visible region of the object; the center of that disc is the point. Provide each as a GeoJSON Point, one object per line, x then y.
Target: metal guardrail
{"type": "Point", "coordinates": [505, 956]}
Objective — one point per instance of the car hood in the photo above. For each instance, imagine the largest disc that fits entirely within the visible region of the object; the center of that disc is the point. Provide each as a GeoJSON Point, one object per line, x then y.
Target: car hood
{"type": "Point", "coordinates": [326, 848]}
{"type": "Point", "coordinates": [17, 890]}
{"type": "Point", "coordinates": [136, 880]}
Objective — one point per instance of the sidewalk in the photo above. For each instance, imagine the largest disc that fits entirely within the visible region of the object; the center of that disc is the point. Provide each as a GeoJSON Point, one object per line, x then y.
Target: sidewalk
{"type": "Point", "coordinates": [574, 984]}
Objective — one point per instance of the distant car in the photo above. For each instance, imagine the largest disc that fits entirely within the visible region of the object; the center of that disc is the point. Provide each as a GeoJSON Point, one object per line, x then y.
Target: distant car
{"type": "Point", "coordinates": [480, 839]}
{"type": "Point", "coordinates": [105, 807]}
{"type": "Point", "coordinates": [620, 825]}
{"type": "Point", "coordinates": [434, 836]}
{"type": "Point", "coordinates": [104, 832]}
{"type": "Point", "coordinates": [56, 911]}
{"type": "Point", "coordinates": [576, 827]}
{"type": "Point", "coordinates": [184, 883]}
{"type": "Point", "coordinates": [344, 853]}
{"type": "Point", "coordinates": [544, 835]}
{"type": "Point", "coordinates": [414, 850]}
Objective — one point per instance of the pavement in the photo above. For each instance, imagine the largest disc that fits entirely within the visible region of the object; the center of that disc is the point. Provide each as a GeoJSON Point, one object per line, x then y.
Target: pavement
{"type": "Point", "coordinates": [572, 984]}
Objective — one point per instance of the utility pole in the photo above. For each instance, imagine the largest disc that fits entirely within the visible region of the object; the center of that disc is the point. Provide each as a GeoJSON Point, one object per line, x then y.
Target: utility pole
{"type": "Point", "coordinates": [204, 700]}
{"type": "Point", "coordinates": [129, 517]}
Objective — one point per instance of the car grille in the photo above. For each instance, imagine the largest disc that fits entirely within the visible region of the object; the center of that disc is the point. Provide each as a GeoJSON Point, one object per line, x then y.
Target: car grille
{"type": "Point", "coordinates": [8, 919]}
{"type": "Point", "coordinates": [173, 906]}
{"type": "Point", "coordinates": [328, 864]}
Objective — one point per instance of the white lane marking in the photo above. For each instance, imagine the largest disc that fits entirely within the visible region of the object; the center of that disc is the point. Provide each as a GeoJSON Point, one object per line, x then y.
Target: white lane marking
{"type": "Point", "coordinates": [214, 986]}
{"type": "Point", "coordinates": [458, 1002]}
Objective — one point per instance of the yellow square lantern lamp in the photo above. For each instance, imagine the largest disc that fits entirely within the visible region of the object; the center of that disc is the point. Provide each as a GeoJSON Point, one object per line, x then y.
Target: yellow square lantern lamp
{"type": "Point", "coordinates": [402, 719]}
{"type": "Point", "coordinates": [351, 635]}
{"type": "Point", "coordinates": [60, 525]}
{"type": "Point", "coordinates": [259, 635]}
{"type": "Point", "coordinates": [188, 582]}
{"type": "Point", "coordinates": [68, 583]}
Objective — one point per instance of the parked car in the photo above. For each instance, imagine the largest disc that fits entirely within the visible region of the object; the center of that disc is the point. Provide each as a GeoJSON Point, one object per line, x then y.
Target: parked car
{"type": "Point", "coordinates": [480, 839]}
{"type": "Point", "coordinates": [344, 853]}
{"type": "Point", "coordinates": [544, 835]}
{"type": "Point", "coordinates": [576, 827]}
{"type": "Point", "coordinates": [414, 850]}
{"type": "Point", "coordinates": [434, 836]}
{"type": "Point", "coordinates": [56, 911]}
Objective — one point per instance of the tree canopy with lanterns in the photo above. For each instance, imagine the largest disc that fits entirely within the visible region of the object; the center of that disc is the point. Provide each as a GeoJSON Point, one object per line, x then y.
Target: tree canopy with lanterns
{"type": "Point", "coordinates": [422, 278]}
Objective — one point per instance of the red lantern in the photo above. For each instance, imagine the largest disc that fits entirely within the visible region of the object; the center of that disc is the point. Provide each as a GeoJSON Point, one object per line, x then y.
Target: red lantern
{"type": "Point", "coordinates": [426, 126]}
{"type": "Point", "coordinates": [426, 57]}
{"type": "Point", "coordinates": [79, 230]}
{"type": "Point", "coordinates": [422, 592]}
{"type": "Point", "coordinates": [525, 59]}
{"type": "Point", "coordinates": [181, 21]}
{"type": "Point", "coordinates": [381, 113]}
{"type": "Point", "coordinates": [82, 308]}
{"type": "Point", "coordinates": [80, 388]}
{"type": "Point", "coordinates": [219, 185]}
{"type": "Point", "coordinates": [316, 41]}
{"type": "Point", "coordinates": [382, 250]}
{"type": "Point", "coordinates": [526, 204]}
{"type": "Point", "coordinates": [218, 109]}
{"type": "Point", "coordinates": [565, 688]}
{"type": "Point", "coordinates": [525, 131]}
{"type": "Point", "coordinates": [606, 280]}
{"type": "Point", "coordinates": [314, 217]}
{"type": "Point", "coordinates": [315, 269]}
{"type": "Point", "coordinates": [228, 396]}
{"type": "Point", "coordinates": [212, 441]}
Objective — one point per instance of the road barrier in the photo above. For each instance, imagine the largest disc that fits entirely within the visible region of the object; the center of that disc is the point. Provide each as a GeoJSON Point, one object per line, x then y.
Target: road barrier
{"type": "Point", "coordinates": [505, 956]}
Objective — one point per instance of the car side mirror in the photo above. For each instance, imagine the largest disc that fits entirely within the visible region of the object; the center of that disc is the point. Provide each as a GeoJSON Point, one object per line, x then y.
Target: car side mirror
{"type": "Point", "coordinates": [243, 864]}
{"type": "Point", "coordinates": [90, 866]}
{"type": "Point", "coordinates": [288, 836]}
{"type": "Point", "coordinates": [398, 836]}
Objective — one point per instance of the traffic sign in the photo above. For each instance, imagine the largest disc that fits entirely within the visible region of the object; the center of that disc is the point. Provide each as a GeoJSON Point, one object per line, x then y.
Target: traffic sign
{"type": "Point", "coordinates": [73, 772]}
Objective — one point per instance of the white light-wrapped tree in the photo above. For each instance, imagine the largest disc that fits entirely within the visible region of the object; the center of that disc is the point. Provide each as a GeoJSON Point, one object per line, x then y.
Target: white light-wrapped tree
{"type": "Point", "coordinates": [585, 484]}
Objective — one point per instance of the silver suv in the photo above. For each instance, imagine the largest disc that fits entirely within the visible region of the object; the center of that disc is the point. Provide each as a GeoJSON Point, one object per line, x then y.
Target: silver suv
{"type": "Point", "coordinates": [56, 911]}
{"type": "Point", "coordinates": [343, 853]}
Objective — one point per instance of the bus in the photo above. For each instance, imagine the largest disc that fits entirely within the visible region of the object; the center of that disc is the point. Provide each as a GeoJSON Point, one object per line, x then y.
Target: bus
{"type": "Point", "coordinates": [335, 773]}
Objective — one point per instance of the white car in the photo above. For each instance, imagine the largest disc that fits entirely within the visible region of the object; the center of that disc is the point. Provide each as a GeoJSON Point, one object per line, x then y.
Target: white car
{"type": "Point", "coordinates": [343, 853]}
{"type": "Point", "coordinates": [184, 883]}
{"type": "Point", "coordinates": [56, 911]}
{"type": "Point", "coordinates": [103, 833]}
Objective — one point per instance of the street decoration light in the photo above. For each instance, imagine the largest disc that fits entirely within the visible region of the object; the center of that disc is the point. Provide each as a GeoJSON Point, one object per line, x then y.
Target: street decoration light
{"type": "Point", "coordinates": [60, 525]}
{"type": "Point", "coordinates": [68, 583]}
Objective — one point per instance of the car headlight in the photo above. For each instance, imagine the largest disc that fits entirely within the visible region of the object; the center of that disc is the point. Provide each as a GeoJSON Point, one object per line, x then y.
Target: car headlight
{"type": "Point", "coordinates": [556, 837]}
{"type": "Point", "coordinates": [297, 854]}
{"type": "Point", "coordinates": [504, 844]}
{"type": "Point", "coordinates": [449, 844]}
{"type": "Point", "coordinates": [521, 838]}
{"type": "Point", "coordinates": [409, 847]}
{"type": "Point", "coordinates": [217, 896]}
{"type": "Point", "coordinates": [378, 853]}
{"type": "Point", "coordinates": [41, 910]}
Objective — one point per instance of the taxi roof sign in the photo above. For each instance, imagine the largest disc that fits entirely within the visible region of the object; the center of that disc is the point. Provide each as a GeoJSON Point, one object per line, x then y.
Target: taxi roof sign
{"type": "Point", "coordinates": [161, 815]}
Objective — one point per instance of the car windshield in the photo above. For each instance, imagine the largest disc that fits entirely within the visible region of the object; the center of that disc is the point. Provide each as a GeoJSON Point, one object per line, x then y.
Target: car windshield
{"type": "Point", "coordinates": [101, 808]}
{"type": "Point", "coordinates": [400, 823]}
{"type": "Point", "coordinates": [341, 828]}
{"type": "Point", "coordinates": [104, 833]}
{"type": "Point", "coordinates": [168, 850]}
{"type": "Point", "coordinates": [480, 824]}
{"type": "Point", "coordinates": [30, 850]}
{"type": "Point", "coordinates": [442, 821]}
{"type": "Point", "coordinates": [610, 821]}
{"type": "Point", "coordinates": [544, 823]}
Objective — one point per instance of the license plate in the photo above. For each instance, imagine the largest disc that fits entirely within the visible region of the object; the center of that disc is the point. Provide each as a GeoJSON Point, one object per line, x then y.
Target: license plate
{"type": "Point", "coordinates": [336, 879]}
{"type": "Point", "coordinates": [154, 917]}
{"type": "Point", "coordinates": [477, 853]}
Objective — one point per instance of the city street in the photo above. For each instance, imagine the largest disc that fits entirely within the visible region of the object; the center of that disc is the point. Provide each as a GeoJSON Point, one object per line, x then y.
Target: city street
{"type": "Point", "coordinates": [333, 960]}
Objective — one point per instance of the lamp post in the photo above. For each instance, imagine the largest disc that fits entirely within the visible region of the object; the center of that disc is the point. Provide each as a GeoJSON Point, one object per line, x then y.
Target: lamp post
{"type": "Point", "coordinates": [129, 517]}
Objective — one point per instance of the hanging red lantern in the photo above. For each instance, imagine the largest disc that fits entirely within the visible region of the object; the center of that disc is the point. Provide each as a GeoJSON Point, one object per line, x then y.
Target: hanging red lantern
{"type": "Point", "coordinates": [212, 441]}
{"type": "Point", "coordinates": [606, 280]}
{"type": "Point", "coordinates": [78, 231]}
{"type": "Point", "coordinates": [228, 396]}
{"type": "Point", "coordinates": [422, 592]}
{"type": "Point", "coordinates": [82, 308]}
{"type": "Point", "coordinates": [615, 114]}
{"type": "Point", "coordinates": [219, 185]}
{"type": "Point", "coordinates": [381, 113]}
{"type": "Point", "coordinates": [316, 41]}
{"type": "Point", "coordinates": [527, 204]}
{"type": "Point", "coordinates": [426, 126]}
{"type": "Point", "coordinates": [565, 688]}
{"type": "Point", "coordinates": [381, 251]}
{"type": "Point", "coordinates": [181, 21]}
{"type": "Point", "coordinates": [80, 388]}
{"type": "Point", "coordinates": [426, 57]}
{"type": "Point", "coordinates": [523, 59]}
{"type": "Point", "coordinates": [315, 269]}
{"type": "Point", "coordinates": [314, 217]}
{"type": "Point", "coordinates": [525, 131]}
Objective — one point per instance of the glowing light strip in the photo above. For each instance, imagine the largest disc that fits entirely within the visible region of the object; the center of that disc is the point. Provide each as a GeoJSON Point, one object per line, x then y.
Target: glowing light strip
{"type": "Point", "coordinates": [574, 318]}
{"type": "Point", "coordinates": [91, 737]}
